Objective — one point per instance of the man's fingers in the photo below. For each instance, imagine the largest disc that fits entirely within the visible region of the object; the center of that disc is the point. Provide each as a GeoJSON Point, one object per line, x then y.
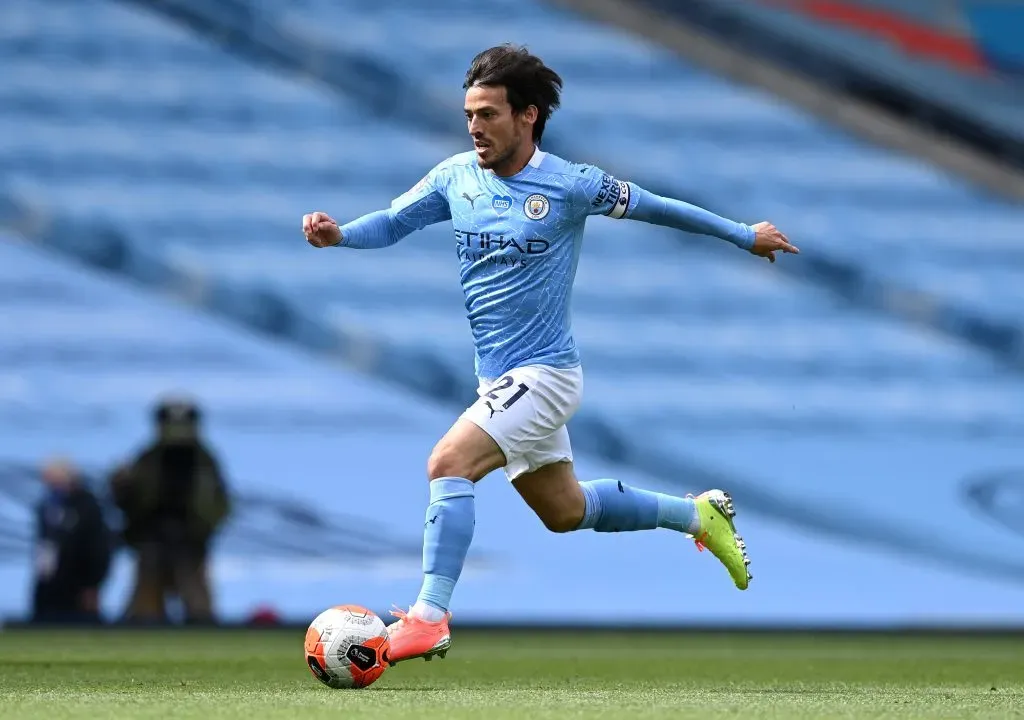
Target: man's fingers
{"type": "Point", "coordinates": [782, 243]}
{"type": "Point", "coordinates": [770, 240]}
{"type": "Point", "coordinates": [317, 219]}
{"type": "Point", "coordinates": [309, 223]}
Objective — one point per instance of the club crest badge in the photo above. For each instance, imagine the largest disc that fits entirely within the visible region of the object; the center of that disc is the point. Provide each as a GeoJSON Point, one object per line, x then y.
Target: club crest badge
{"type": "Point", "coordinates": [536, 207]}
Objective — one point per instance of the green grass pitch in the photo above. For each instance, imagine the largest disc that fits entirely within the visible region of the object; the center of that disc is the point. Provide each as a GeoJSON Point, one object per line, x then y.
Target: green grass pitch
{"type": "Point", "coordinates": [261, 674]}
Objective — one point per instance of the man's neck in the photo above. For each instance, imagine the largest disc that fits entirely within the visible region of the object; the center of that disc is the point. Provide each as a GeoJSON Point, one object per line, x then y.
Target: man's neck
{"type": "Point", "coordinates": [516, 163]}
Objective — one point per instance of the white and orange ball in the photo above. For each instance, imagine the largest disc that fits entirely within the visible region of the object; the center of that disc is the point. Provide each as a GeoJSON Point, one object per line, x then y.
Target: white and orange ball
{"type": "Point", "coordinates": [346, 647]}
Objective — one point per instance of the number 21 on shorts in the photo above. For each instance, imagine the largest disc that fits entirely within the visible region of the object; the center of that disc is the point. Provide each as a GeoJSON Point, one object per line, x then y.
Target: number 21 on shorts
{"type": "Point", "coordinates": [498, 390]}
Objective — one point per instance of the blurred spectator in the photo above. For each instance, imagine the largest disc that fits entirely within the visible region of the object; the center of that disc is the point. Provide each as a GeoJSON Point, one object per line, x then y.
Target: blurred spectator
{"type": "Point", "coordinates": [73, 549]}
{"type": "Point", "coordinates": [174, 500]}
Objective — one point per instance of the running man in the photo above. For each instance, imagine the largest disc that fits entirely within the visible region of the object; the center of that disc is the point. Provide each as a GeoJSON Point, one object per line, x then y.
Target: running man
{"type": "Point", "coordinates": [518, 214]}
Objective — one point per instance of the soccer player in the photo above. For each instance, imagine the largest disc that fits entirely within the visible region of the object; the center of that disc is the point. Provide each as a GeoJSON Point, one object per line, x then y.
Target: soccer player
{"type": "Point", "coordinates": [518, 215]}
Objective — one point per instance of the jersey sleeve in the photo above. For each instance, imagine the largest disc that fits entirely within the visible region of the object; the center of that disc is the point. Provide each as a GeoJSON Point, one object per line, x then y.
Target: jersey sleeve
{"type": "Point", "coordinates": [598, 193]}
{"type": "Point", "coordinates": [425, 203]}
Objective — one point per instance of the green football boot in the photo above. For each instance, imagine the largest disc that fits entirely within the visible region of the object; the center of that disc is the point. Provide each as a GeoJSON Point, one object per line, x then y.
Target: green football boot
{"type": "Point", "coordinates": [718, 534]}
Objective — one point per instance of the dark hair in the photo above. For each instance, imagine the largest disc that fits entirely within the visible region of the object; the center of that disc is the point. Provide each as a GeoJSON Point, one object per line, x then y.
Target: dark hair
{"type": "Point", "coordinates": [525, 77]}
{"type": "Point", "coordinates": [173, 411]}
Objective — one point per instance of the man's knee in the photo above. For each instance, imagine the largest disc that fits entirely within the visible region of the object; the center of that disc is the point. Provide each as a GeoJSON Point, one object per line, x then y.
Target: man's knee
{"type": "Point", "coordinates": [466, 452]}
{"type": "Point", "coordinates": [562, 520]}
{"type": "Point", "coordinates": [554, 494]}
{"type": "Point", "coordinates": [448, 461]}
{"type": "Point", "coordinates": [444, 461]}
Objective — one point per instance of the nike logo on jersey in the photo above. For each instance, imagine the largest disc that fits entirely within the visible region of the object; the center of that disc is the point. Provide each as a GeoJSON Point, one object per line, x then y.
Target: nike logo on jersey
{"type": "Point", "coordinates": [471, 200]}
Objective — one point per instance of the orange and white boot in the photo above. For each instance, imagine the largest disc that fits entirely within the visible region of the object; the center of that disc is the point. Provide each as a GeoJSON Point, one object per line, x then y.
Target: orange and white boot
{"type": "Point", "coordinates": [412, 637]}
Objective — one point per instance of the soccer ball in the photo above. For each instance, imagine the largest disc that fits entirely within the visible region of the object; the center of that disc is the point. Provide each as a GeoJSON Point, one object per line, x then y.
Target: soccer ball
{"type": "Point", "coordinates": [346, 647]}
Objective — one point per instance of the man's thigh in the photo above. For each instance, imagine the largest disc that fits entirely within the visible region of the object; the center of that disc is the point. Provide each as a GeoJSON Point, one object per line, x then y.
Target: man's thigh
{"type": "Point", "coordinates": [524, 412]}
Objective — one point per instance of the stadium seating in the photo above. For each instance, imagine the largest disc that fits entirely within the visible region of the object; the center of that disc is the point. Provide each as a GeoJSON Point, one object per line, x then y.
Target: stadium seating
{"type": "Point", "coordinates": [973, 35]}
{"type": "Point", "coordinates": [977, 95]}
{"type": "Point", "coordinates": [694, 352]}
{"type": "Point", "coordinates": [211, 162]}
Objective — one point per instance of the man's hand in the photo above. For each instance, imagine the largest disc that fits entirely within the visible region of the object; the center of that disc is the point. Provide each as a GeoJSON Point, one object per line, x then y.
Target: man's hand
{"type": "Point", "coordinates": [320, 230]}
{"type": "Point", "coordinates": [768, 240]}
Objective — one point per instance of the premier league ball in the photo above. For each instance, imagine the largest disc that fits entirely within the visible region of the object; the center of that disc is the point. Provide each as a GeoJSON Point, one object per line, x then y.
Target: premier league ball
{"type": "Point", "coordinates": [346, 647]}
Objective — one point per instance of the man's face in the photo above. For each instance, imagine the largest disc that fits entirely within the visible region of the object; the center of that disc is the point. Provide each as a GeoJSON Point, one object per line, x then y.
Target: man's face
{"type": "Point", "coordinates": [497, 132]}
{"type": "Point", "coordinates": [178, 433]}
{"type": "Point", "coordinates": [59, 475]}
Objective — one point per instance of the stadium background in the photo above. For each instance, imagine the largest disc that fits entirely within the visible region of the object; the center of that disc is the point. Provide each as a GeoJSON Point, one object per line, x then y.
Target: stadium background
{"type": "Point", "coordinates": [864, 402]}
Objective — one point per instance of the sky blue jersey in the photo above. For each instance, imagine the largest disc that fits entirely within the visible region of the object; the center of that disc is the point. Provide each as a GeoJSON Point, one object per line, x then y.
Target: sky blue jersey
{"type": "Point", "coordinates": [518, 242]}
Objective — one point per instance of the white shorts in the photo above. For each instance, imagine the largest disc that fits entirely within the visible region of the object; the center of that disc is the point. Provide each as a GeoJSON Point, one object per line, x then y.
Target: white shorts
{"type": "Point", "coordinates": [525, 411]}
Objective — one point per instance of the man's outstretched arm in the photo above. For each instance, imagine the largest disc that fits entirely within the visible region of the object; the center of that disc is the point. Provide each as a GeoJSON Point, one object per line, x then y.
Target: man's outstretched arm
{"type": "Point", "coordinates": [617, 199]}
{"type": "Point", "coordinates": [763, 239]}
{"type": "Point", "coordinates": [425, 204]}
{"type": "Point", "coordinates": [376, 230]}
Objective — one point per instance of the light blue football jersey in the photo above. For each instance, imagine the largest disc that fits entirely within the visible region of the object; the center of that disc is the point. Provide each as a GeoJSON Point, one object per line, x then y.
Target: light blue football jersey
{"type": "Point", "coordinates": [518, 242]}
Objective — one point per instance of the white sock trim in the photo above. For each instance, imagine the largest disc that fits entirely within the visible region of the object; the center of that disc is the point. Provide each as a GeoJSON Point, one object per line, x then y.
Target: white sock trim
{"type": "Point", "coordinates": [426, 612]}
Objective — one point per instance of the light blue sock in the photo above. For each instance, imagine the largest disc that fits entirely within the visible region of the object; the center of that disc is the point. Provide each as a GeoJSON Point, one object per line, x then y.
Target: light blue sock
{"type": "Point", "coordinates": [614, 507]}
{"type": "Point", "coordinates": [447, 535]}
